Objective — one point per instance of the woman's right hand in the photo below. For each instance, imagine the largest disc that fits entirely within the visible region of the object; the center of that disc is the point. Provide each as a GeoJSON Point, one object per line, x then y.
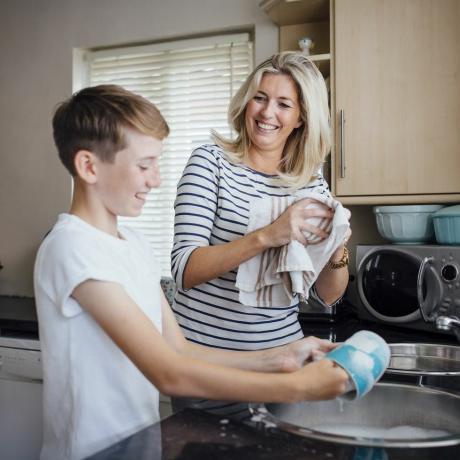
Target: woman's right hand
{"type": "Point", "coordinates": [291, 224]}
{"type": "Point", "coordinates": [322, 380]}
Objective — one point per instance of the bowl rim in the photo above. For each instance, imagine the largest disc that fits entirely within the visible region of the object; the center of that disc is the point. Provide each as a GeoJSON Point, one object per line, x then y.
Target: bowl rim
{"type": "Point", "coordinates": [448, 211]}
{"type": "Point", "coordinates": [407, 209]}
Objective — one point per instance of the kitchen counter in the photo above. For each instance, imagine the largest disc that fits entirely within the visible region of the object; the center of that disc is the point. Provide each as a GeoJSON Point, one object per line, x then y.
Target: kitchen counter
{"type": "Point", "coordinates": [341, 328]}
{"type": "Point", "coordinates": [192, 434]}
{"type": "Point", "coordinates": [196, 435]}
{"type": "Point", "coordinates": [18, 315]}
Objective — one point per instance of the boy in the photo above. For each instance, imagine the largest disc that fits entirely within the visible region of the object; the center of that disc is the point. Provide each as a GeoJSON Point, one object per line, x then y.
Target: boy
{"type": "Point", "coordinates": [109, 339]}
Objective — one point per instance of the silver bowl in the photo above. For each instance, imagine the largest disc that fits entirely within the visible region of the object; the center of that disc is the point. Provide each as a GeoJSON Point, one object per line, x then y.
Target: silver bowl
{"type": "Point", "coordinates": [432, 415]}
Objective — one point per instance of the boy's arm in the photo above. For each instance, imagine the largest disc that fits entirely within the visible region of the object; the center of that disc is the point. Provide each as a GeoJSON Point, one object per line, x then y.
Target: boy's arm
{"type": "Point", "coordinates": [287, 358]}
{"type": "Point", "coordinates": [181, 375]}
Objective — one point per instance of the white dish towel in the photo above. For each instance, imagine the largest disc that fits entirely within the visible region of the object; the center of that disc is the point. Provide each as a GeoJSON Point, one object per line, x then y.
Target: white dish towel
{"type": "Point", "coordinates": [275, 276]}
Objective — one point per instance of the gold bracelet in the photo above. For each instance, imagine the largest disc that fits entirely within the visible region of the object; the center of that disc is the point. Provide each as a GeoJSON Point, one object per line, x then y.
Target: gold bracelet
{"type": "Point", "coordinates": [343, 262]}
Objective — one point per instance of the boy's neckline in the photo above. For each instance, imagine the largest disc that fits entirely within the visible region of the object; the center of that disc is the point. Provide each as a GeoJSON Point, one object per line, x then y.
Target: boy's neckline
{"type": "Point", "coordinates": [118, 237]}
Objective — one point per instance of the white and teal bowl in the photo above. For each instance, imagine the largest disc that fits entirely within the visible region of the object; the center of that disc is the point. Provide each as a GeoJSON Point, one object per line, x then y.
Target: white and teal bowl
{"type": "Point", "coordinates": [406, 224]}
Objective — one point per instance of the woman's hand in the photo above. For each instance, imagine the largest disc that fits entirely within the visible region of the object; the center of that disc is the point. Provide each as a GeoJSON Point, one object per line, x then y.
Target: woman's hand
{"type": "Point", "coordinates": [293, 222]}
{"type": "Point", "coordinates": [296, 354]}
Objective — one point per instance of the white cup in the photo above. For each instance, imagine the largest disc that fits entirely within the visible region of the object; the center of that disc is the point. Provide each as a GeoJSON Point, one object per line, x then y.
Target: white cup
{"type": "Point", "coordinates": [365, 357]}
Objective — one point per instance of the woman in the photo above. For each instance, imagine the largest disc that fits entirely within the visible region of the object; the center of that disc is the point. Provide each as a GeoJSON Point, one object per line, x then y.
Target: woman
{"type": "Point", "coordinates": [281, 118]}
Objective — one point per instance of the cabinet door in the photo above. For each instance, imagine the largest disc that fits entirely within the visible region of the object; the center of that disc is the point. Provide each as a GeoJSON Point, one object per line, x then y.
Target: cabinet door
{"type": "Point", "coordinates": [397, 79]}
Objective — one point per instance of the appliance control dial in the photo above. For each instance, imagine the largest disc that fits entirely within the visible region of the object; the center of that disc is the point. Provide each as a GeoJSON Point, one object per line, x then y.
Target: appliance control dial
{"type": "Point", "coordinates": [449, 272]}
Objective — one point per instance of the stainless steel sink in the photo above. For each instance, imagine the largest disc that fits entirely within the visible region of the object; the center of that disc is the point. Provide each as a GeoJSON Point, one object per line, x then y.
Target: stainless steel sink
{"type": "Point", "coordinates": [425, 364]}
{"type": "Point", "coordinates": [390, 415]}
{"type": "Point", "coordinates": [424, 359]}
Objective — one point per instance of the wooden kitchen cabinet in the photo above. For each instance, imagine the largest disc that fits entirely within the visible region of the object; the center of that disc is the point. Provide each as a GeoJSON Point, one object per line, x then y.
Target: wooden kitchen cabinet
{"type": "Point", "coordinates": [395, 79]}
{"type": "Point", "coordinates": [303, 19]}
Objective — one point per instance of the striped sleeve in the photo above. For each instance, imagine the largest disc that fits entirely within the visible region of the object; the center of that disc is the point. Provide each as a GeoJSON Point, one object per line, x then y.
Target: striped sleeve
{"type": "Point", "coordinates": [195, 208]}
{"type": "Point", "coordinates": [314, 297]}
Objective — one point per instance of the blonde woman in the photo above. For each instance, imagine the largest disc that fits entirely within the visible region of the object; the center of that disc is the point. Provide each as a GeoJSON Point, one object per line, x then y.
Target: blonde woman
{"type": "Point", "coordinates": [281, 119]}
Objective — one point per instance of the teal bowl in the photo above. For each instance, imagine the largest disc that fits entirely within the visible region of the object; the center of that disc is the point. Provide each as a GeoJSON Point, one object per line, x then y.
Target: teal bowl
{"type": "Point", "coordinates": [447, 225]}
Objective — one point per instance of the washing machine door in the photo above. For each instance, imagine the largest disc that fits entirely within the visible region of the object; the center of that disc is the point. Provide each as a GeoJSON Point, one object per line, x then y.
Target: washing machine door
{"type": "Point", "coordinates": [388, 284]}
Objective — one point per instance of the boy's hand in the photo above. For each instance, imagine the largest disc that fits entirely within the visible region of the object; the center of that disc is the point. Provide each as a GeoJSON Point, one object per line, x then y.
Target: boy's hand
{"type": "Point", "coordinates": [303, 351]}
{"type": "Point", "coordinates": [323, 380]}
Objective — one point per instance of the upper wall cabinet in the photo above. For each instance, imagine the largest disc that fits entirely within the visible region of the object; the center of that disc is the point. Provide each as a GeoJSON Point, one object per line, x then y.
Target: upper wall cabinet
{"type": "Point", "coordinates": [395, 94]}
{"type": "Point", "coordinates": [303, 19]}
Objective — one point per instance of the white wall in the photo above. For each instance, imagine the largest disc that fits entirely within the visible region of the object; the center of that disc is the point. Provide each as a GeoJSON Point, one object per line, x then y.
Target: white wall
{"type": "Point", "coordinates": [36, 42]}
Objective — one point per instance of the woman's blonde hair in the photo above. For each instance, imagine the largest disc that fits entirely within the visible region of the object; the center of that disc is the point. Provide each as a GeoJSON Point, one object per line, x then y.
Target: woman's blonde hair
{"type": "Point", "coordinates": [307, 146]}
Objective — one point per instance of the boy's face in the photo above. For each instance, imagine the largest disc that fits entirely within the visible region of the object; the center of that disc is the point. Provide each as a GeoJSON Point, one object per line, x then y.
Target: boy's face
{"type": "Point", "coordinates": [124, 184]}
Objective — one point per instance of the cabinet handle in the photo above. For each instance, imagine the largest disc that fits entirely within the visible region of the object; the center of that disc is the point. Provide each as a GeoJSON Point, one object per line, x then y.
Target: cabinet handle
{"type": "Point", "coordinates": [342, 144]}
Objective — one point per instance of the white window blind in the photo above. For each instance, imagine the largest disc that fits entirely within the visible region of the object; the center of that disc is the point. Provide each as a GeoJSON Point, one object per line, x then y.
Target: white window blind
{"type": "Point", "coordinates": [191, 82]}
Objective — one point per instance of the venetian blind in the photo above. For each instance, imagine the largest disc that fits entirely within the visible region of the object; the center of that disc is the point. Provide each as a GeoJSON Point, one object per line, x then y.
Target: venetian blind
{"type": "Point", "coordinates": [191, 82]}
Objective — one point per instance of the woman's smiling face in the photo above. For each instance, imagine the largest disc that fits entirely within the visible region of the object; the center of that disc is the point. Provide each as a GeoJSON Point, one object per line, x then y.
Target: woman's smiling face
{"type": "Point", "coordinates": [273, 113]}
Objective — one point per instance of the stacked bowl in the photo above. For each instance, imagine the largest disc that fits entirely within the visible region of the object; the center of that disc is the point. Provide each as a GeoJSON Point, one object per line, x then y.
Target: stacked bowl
{"type": "Point", "coordinates": [406, 224]}
{"type": "Point", "coordinates": [447, 225]}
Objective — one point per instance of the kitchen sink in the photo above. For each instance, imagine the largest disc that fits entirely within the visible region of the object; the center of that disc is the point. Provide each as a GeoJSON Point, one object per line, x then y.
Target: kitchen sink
{"type": "Point", "coordinates": [424, 359]}
{"type": "Point", "coordinates": [390, 415]}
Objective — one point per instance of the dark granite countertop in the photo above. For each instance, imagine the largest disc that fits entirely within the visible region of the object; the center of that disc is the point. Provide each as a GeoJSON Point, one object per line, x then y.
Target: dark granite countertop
{"type": "Point", "coordinates": [18, 315]}
{"type": "Point", "coordinates": [196, 435]}
{"type": "Point", "coordinates": [341, 328]}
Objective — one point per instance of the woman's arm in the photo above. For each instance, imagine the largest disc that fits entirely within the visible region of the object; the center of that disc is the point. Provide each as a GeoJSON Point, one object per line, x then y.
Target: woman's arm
{"type": "Point", "coordinates": [207, 263]}
{"type": "Point", "coordinates": [181, 375]}
{"type": "Point", "coordinates": [332, 282]}
{"type": "Point", "coordinates": [333, 279]}
{"type": "Point", "coordinates": [193, 259]}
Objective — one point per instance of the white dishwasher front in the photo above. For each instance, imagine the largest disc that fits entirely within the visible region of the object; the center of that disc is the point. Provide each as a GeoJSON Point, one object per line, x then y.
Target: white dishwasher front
{"type": "Point", "coordinates": [20, 398]}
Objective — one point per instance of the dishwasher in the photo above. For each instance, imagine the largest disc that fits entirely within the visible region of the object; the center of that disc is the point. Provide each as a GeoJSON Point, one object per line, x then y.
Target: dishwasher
{"type": "Point", "coordinates": [20, 397]}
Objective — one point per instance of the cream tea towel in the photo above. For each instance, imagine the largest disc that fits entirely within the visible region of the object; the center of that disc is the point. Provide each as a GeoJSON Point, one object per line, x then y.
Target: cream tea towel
{"type": "Point", "coordinates": [276, 276]}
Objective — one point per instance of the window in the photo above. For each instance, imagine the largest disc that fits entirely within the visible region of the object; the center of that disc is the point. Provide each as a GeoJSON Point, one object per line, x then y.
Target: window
{"type": "Point", "coordinates": [191, 82]}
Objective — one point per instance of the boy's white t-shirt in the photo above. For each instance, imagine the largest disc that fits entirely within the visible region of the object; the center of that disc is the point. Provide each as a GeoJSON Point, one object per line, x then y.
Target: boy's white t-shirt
{"type": "Point", "coordinates": [94, 395]}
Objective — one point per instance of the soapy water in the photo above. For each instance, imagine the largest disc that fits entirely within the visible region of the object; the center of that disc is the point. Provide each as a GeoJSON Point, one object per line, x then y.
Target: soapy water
{"type": "Point", "coordinates": [396, 432]}
{"type": "Point", "coordinates": [341, 403]}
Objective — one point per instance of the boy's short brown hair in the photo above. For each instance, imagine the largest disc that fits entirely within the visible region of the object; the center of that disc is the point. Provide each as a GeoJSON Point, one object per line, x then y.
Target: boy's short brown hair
{"type": "Point", "coordinates": [95, 119]}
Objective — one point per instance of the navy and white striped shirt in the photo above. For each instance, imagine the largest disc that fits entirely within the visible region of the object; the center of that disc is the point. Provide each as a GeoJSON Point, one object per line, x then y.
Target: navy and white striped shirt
{"type": "Point", "coordinates": [211, 208]}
